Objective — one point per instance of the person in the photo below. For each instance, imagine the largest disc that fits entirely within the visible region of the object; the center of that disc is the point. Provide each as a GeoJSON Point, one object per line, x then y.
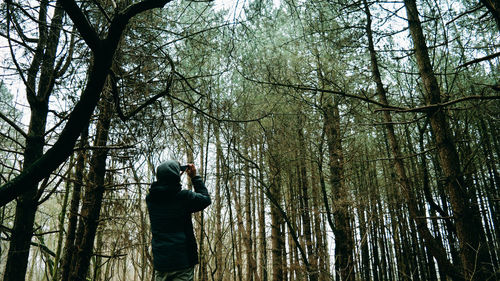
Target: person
{"type": "Point", "coordinates": [170, 207]}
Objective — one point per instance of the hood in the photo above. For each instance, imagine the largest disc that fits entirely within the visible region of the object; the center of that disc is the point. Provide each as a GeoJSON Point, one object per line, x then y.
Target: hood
{"type": "Point", "coordinates": [167, 181]}
{"type": "Point", "coordinates": [168, 173]}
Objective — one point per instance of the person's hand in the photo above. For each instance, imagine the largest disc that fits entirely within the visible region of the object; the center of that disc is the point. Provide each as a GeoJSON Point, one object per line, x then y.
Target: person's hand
{"type": "Point", "coordinates": [191, 170]}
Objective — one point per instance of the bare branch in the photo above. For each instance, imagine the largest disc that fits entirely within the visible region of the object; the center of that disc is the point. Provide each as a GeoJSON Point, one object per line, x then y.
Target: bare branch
{"type": "Point", "coordinates": [489, 57]}
{"type": "Point", "coordinates": [13, 125]}
{"type": "Point", "coordinates": [107, 147]}
{"type": "Point", "coordinates": [426, 108]}
{"type": "Point", "coordinates": [116, 97]}
{"type": "Point", "coordinates": [61, 67]}
{"type": "Point", "coordinates": [466, 13]}
{"type": "Point", "coordinates": [314, 89]}
{"type": "Point", "coordinates": [102, 10]}
{"type": "Point", "coordinates": [18, 67]}
{"type": "Point", "coordinates": [17, 41]}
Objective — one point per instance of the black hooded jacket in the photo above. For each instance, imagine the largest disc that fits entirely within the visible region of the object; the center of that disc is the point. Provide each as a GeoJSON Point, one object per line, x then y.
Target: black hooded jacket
{"type": "Point", "coordinates": [170, 208]}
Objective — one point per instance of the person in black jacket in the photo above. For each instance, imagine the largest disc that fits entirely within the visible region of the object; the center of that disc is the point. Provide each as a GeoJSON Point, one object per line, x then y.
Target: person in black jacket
{"type": "Point", "coordinates": [170, 207]}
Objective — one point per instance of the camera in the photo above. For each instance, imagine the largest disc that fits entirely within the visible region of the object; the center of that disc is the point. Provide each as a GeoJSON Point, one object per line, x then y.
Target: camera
{"type": "Point", "coordinates": [184, 167]}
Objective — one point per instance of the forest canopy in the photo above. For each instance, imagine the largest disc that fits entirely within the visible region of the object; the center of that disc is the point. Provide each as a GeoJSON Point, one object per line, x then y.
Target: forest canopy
{"type": "Point", "coordinates": [339, 140]}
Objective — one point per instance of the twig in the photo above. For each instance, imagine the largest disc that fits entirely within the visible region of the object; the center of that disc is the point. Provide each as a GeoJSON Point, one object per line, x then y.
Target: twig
{"type": "Point", "coordinates": [465, 13]}
{"type": "Point", "coordinates": [429, 107]}
{"type": "Point", "coordinates": [116, 97]}
{"type": "Point", "coordinates": [102, 10]}
{"type": "Point", "coordinates": [107, 147]}
{"type": "Point", "coordinates": [11, 123]}
{"type": "Point", "coordinates": [313, 89]}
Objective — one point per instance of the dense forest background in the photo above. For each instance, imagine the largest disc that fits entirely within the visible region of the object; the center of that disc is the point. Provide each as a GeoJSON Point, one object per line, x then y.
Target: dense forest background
{"type": "Point", "coordinates": [339, 140]}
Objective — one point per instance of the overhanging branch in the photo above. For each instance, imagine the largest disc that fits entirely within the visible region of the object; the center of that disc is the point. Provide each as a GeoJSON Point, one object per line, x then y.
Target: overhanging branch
{"type": "Point", "coordinates": [384, 107]}
{"type": "Point", "coordinates": [489, 57]}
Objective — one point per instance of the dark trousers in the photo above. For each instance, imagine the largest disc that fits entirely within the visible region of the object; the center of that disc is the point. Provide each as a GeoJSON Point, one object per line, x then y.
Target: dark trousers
{"type": "Point", "coordinates": [176, 275]}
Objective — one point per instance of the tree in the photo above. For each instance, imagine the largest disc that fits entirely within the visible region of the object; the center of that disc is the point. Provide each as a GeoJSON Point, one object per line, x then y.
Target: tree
{"type": "Point", "coordinates": [43, 68]}
{"type": "Point", "coordinates": [310, 121]}
{"type": "Point", "coordinates": [103, 52]}
{"type": "Point", "coordinates": [475, 258]}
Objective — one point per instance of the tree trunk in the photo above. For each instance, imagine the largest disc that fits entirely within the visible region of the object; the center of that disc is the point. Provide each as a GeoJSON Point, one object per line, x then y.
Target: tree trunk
{"type": "Point", "coordinates": [321, 255]}
{"type": "Point", "coordinates": [91, 207]}
{"type": "Point", "coordinates": [305, 211]}
{"type": "Point", "coordinates": [69, 245]}
{"type": "Point", "coordinates": [203, 272]}
{"type": "Point", "coordinates": [277, 239]}
{"type": "Point", "coordinates": [219, 268]}
{"type": "Point", "coordinates": [494, 9]}
{"type": "Point", "coordinates": [344, 242]}
{"type": "Point", "coordinates": [251, 263]}
{"type": "Point", "coordinates": [26, 207]}
{"type": "Point", "coordinates": [473, 251]}
{"type": "Point", "coordinates": [431, 243]}
{"type": "Point", "coordinates": [144, 239]}
{"type": "Point", "coordinates": [60, 235]}
{"type": "Point", "coordinates": [262, 220]}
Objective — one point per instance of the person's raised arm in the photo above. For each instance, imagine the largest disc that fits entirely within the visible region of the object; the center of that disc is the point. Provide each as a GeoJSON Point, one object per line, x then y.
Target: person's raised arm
{"type": "Point", "coordinates": [199, 199]}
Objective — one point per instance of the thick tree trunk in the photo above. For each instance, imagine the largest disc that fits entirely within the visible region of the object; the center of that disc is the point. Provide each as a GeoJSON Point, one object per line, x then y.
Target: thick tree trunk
{"type": "Point", "coordinates": [22, 232]}
{"type": "Point", "coordinates": [473, 251]}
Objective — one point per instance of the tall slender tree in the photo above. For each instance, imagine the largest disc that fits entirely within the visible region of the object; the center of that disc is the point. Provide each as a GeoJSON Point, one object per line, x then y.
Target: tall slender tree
{"type": "Point", "coordinates": [473, 252]}
{"type": "Point", "coordinates": [43, 69]}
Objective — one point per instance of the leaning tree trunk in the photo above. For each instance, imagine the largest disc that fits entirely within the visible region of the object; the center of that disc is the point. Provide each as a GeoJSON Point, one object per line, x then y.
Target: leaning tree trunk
{"type": "Point", "coordinates": [473, 251]}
